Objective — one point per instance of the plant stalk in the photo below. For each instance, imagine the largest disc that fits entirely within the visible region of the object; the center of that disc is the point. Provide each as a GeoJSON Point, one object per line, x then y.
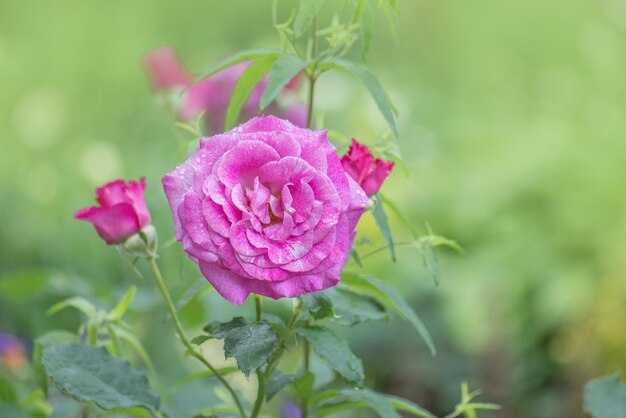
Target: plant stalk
{"type": "Point", "coordinates": [183, 337]}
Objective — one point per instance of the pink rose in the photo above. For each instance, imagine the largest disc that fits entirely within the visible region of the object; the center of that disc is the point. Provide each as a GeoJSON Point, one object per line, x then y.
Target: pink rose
{"type": "Point", "coordinates": [266, 208]}
{"type": "Point", "coordinates": [122, 211]}
{"type": "Point", "coordinates": [366, 170]}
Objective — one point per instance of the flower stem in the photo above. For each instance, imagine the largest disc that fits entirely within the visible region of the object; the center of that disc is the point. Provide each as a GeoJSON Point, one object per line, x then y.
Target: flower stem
{"type": "Point", "coordinates": [312, 75]}
{"type": "Point", "coordinates": [258, 403]}
{"type": "Point", "coordinates": [258, 303]}
{"type": "Point", "coordinates": [183, 337]}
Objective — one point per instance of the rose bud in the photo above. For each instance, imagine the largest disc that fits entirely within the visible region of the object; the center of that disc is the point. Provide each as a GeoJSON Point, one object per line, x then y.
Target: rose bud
{"type": "Point", "coordinates": [212, 96]}
{"type": "Point", "coordinates": [366, 170]}
{"type": "Point", "coordinates": [266, 208]}
{"type": "Point", "coordinates": [165, 70]}
{"type": "Point", "coordinates": [122, 211]}
{"type": "Point", "coordinates": [12, 352]}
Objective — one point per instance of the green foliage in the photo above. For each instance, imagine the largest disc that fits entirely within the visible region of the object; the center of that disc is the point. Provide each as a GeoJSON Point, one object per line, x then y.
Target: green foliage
{"type": "Point", "coordinates": [277, 382]}
{"type": "Point", "coordinates": [92, 374]}
{"type": "Point", "coordinates": [605, 397]}
{"type": "Point", "coordinates": [245, 85]}
{"type": "Point", "coordinates": [343, 306]}
{"type": "Point", "coordinates": [223, 371]}
{"type": "Point", "coordinates": [77, 302]}
{"type": "Point", "coordinates": [391, 298]}
{"type": "Point", "coordinates": [241, 56]}
{"type": "Point", "coordinates": [318, 304]}
{"type": "Point", "coordinates": [307, 12]}
{"type": "Point", "coordinates": [335, 351]}
{"type": "Point", "coordinates": [385, 406]}
{"type": "Point", "coordinates": [371, 83]}
{"type": "Point", "coordinates": [283, 70]}
{"type": "Point", "coordinates": [120, 309]}
{"type": "Point", "coordinates": [252, 345]}
{"type": "Point", "coordinates": [352, 308]}
{"type": "Point", "coordinates": [378, 211]}
{"type": "Point", "coordinates": [197, 288]}
{"type": "Point", "coordinates": [467, 407]}
{"type": "Point", "coordinates": [65, 410]}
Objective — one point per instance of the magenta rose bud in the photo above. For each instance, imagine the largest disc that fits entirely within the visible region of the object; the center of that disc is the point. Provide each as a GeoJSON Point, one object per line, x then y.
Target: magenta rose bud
{"type": "Point", "coordinates": [366, 170]}
{"type": "Point", "coordinates": [165, 69]}
{"type": "Point", "coordinates": [266, 208]}
{"type": "Point", "coordinates": [122, 211]}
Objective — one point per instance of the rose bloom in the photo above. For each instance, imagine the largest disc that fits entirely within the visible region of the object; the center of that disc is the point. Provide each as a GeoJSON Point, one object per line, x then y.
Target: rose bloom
{"type": "Point", "coordinates": [364, 168]}
{"type": "Point", "coordinates": [266, 208]}
{"type": "Point", "coordinates": [12, 352]}
{"type": "Point", "coordinates": [122, 211]}
{"type": "Point", "coordinates": [212, 95]}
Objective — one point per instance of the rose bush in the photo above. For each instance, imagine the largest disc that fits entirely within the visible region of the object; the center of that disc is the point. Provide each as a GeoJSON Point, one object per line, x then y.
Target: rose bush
{"type": "Point", "coordinates": [266, 208]}
{"type": "Point", "coordinates": [122, 211]}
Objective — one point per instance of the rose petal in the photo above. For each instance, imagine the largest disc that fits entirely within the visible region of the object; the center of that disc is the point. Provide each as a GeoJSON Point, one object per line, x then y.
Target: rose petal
{"type": "Point", "coordinates": [114, 224]}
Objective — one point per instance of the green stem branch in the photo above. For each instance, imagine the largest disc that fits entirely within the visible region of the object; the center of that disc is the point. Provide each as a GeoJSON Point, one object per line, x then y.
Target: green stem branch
{"type": "Point", "coordinates": [183, 337]}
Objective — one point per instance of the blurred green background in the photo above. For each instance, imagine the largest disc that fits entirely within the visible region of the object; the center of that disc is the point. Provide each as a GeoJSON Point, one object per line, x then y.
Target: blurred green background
{"type": "Point", "coordinates": [512, 121]}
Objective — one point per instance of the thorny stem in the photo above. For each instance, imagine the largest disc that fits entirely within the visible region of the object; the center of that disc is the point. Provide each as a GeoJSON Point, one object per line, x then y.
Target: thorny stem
{"type": "Point", "coordinates": [185, 340]}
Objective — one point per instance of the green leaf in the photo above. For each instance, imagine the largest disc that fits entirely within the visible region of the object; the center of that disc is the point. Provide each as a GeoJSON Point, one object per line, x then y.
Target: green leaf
{"type": "Point", "coordinates": [221, 330]}
{"type": "Point", "coordinates": [370, 81]}
{"type": "Point", "coordinates": [319, 305]}
{"type": "Point", "coordinates": [245, 85]}
{"type": "Point", "coordinates": [77, 302]}
{"type": "Point", "coordinates": [283, 70]}
{"type": "Point", "coordinates": [385, 406]}
{"type": "Point", "coordinates": [199, 287]}
{"type": "Point", "coordinates": [605, 397]}
{"type": "Point", "coordinates": [353, 308]}
{"type": "Point", "coordinates": [379, 403]}
{"type": "Point", "coordinates": [367, 30]}
{"type": "Point", "coordinates": [277, 381]}
{"type": "Point", "coordinates": [200, 339]}
{"type": "Point", "coordinates": [241, 56]}
{"type": "Point", "coordinates": [390, 297]}
{"type": "Point", "coordinates": [335, 352]}
{"type": "Point", "coordinates": [122, 306]}
{"type": "Point", "coordinates": [207, 373]}
{"type": "Point", "coordinates": [407, 406]}
{"type": "Point", "coordinates": [65, 410]}
{"type": "Point", "coordinates": [134, 343]}
{"type": "Point", "coordinates": [303, 386]}
{"type": "Point", "coordinates": [307, 11]}
{"type": "Point", "coordinates": [91, 374]}
{"type": "Point", "coordinates": [431, 261]}
{"type": "Point", "coordinates": [378, 211]}
{"type": "Point", "coordinates": [251, 345]}
{"type": "Point", "coordinates": [403, 218]}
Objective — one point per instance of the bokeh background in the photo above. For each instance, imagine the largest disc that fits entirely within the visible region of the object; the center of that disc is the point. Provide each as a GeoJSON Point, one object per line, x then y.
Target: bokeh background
{"type": "Point", "coordinates": [512, 122]}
